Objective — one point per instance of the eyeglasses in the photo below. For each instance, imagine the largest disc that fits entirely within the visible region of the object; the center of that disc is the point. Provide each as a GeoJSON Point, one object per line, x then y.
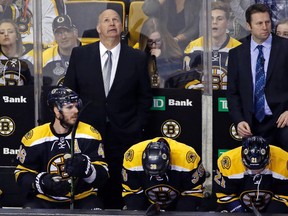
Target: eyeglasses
{"type": "Point", "coordinates": [150, 42]}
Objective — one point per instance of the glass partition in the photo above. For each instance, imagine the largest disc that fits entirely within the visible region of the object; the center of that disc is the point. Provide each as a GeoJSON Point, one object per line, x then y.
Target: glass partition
{"type": "Point", "coordinates": [187, 46]}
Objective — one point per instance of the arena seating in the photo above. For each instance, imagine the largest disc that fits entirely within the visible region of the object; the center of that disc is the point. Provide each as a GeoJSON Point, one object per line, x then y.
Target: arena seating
{"type": "Point", "coordinates": [136, 19]}
{"type": "Point", "coordinates": [84, 15]}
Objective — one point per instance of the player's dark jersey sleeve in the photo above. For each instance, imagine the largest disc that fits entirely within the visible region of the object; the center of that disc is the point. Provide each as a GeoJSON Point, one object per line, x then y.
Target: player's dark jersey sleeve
{"type": "Point", "coordinates": [133, 192]}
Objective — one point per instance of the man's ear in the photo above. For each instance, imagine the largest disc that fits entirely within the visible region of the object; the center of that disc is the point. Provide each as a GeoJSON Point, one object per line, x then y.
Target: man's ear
{"type": "Point", "coordinates": [248, 26]}
{"type": "Point", "coordinates": [76, 32]}
{"type": "Point", "coordinates": [56, 111]}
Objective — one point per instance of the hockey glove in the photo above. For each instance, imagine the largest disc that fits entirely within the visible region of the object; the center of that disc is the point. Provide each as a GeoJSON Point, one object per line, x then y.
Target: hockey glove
{"type": "Point", "coordinates": [78, 166]}
{"type": "Point", "coordinates": [51, 184]}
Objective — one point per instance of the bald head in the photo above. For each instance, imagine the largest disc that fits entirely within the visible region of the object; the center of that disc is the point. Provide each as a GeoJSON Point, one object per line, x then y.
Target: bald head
{"type": "Point", "coordinates": [108, 12]}
{"type": "Point", "coordinates": [109, 26]}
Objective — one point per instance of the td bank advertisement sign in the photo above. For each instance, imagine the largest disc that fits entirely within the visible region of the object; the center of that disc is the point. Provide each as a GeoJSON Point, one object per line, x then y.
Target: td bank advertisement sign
{"type": "Point", "coordinates": [17, 117]}
{"type": "Point", "coordinates": [224, 132]}
{"type": "Point", "coordinates": [176, 113]}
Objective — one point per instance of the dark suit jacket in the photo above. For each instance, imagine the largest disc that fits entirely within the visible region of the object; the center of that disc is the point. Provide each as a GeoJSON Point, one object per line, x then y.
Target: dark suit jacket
{"type": "Point", "coordinates": [129, 100]}
{"type": "Point", "coordinates": [240, 84]}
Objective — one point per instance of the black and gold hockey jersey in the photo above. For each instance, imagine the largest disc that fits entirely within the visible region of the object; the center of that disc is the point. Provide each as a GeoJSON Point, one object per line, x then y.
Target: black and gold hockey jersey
{"type": "Point", "coordinates": [42, 150]}
{"type": "Point", "coordinates": [54, 66]}
{"type": "Point", "coordinates": [15, 72]}
{"type": "Point", "coordinates": [9, 11]}
{"type": "Point", "coordinates": [194, 59]}
{"type": "Point", "coordinates": [184, 177]}
{"type": "Point", "coordinates": [234, 182]}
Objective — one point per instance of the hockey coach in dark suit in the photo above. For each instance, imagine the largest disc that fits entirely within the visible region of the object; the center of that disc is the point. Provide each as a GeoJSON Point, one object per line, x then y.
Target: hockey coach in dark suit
{"type": "Point", "coordinates": [120, 103]}
{"type": "Point", "coordinates": [270, 120]}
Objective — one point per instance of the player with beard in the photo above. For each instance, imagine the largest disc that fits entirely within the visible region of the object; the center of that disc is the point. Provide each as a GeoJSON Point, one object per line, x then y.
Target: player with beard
{"type": "Point", "coordinates": [44, 167]}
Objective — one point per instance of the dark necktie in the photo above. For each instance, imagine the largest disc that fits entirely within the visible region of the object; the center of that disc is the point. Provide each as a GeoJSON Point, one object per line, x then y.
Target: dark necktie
{"type": "Point", "coordinates": [259, 99]}
{"type": "Point", "coordinates": [107, 72]}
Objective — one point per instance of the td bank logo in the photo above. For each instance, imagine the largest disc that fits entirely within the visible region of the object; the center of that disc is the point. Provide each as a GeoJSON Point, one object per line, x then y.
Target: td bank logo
{"type": "Point", "coordinates": [222, 105]}
{"type": "Point", "coordinates": [159, 103]}
{"type": "Point", "coordinates": [221, 151]}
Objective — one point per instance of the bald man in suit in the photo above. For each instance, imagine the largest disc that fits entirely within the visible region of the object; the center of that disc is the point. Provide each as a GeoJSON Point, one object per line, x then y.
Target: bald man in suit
{"type": "Point", "coordinates": [122, 115]}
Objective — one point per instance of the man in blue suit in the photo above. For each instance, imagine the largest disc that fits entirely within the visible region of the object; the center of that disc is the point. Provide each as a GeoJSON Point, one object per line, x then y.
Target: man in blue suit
{"type": "Point", "coordinates": [122, 115]}
{"type": "Point", "coordinates": [241, 80]}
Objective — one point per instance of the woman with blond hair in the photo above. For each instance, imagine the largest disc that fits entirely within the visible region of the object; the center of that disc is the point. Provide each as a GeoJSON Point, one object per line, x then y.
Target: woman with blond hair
{"type": "Point", "coordinates": [14, 62]}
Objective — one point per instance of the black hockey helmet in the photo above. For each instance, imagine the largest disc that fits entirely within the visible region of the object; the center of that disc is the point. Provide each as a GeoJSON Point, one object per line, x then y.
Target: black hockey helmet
{"type": "Point", "coordinates": [156, 158]}
{"type": "Point", "coordinates": [62, 95]}
{"type": "Point", "coordinates": [255, 152]}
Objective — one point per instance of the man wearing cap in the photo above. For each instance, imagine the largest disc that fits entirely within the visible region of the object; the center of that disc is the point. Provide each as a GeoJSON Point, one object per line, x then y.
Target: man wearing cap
{"type": "Point", "coordinates": [56, 58]}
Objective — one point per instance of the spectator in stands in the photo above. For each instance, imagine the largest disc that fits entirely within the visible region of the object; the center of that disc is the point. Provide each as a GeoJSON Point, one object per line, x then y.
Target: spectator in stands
{"type": "Point", "coordinates": [237, 24]}
{"type": "Point", "coordinates": [56, 58]}
{"type": "Point", "coordinates": [165, 172]}
{"type": "Point", "coordinates": [21, 12]}
{"type": "Point", "coordinates": [44, 163]}
{"type": "Point", "coordinates": [163, 51]}
{"type": "Point", "coordinates": [252, 178]}
{"type": "Point", "coordinates": [6, 10]}
{"type": "Point", "coordinates": [282, 28]}
{"type": "Point", "coordinates": [221, 44]}
{"type": "Point", "coordinates": [181, 18]}
{"type": "Point", "coordinates": [15, 63]}
{"type": "Point", "coordinates": [120, 105]}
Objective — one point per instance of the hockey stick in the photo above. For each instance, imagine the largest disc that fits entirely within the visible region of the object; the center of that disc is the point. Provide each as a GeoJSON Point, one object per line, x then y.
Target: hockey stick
{"type": "Point", "coordinates": [153, 209]}
{"type": "Point", "coordinates": [73, 133]}
{"type": "Point", "coordinates": [255, 211]}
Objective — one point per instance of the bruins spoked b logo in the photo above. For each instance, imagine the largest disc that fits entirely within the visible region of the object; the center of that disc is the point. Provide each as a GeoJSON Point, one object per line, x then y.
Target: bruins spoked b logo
{"type": "Point", "coordinates": [233, 133]}
{"type": "Point", "coordinates": [7, 126]}
{"type": "Point", "coordinates": [171, 129]}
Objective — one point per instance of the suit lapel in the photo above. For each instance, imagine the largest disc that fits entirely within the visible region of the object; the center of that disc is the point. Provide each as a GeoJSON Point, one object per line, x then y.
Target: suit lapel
{"type": "Point", "coordinates": [247, 65]}
{"type": "Point", "coordinates": [275, 49]}
{"type": "Point", "coordinates": [247, 72]}
{"type": "Point", "coordinates": [120, 70]}
{"type": "Point", "coordinates": [96, 73]}
{"type": "Point", "coordinates": [95, 55]}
